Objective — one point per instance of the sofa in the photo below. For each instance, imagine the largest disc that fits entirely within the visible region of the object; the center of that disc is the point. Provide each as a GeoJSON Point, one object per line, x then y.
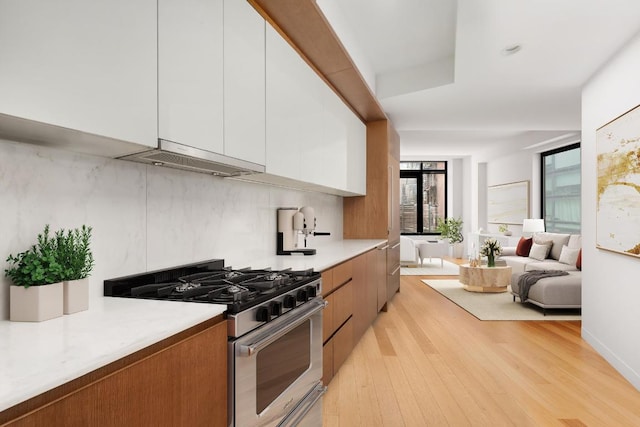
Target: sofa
{"type": "Point", "coordinates": [548, 251]}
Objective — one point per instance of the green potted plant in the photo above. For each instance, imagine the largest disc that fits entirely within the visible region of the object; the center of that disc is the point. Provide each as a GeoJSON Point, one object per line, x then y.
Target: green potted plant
{"type": "Point", "coordinates": [37, 290]}
{"type": "Point", "coordinates": [73, 250]}
{"type": "Point", "coordinates": [504, 229]}
{"type": "Point", "coordinates": [451, 229]}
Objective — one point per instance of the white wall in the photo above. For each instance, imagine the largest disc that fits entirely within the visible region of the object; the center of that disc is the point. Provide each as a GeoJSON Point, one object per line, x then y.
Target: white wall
{"type": "Point", "coordinates": [143, 217]}
{"type": "Point", "coordinates": [610, 291]}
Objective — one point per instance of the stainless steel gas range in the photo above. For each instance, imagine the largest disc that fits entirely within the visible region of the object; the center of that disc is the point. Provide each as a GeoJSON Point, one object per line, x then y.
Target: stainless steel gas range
{"type": "Point", "coordinates": [274, 329]}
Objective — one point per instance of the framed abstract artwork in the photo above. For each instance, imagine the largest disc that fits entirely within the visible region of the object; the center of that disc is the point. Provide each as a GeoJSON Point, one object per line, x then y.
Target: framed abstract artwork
{"type": "Point", "coordinates": [618, 192]}
{"type": "Point", "coordinates": [508, 203]}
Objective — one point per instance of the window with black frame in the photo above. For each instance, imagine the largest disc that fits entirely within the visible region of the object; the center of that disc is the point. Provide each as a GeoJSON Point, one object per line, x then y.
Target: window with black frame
{"type": "Point", "coordinates": [561, 186]}
{"type": "Point", "coordinates": [423, 191]}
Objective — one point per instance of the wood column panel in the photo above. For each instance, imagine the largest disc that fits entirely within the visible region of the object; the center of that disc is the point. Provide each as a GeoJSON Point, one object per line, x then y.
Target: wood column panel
{"type": "Point", "coordinates": [366, 217]}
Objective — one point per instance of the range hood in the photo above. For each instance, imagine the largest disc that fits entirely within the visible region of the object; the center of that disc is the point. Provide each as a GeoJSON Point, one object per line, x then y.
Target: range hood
{"type": "Point", "coordinates": [178, 156]}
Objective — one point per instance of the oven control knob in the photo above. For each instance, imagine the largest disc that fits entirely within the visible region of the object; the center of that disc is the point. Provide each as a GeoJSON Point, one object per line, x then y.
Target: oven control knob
{"type": "Point", "coordinates": [311, 292]}
{"type": "Point", "coordinates": [276, 308]}
{"type": "Point", "coordinates": [263, 314]}
{"type": "Point", "coordinates": [302, 295]}
{"type": "Point", "coordinates": [289, 301]}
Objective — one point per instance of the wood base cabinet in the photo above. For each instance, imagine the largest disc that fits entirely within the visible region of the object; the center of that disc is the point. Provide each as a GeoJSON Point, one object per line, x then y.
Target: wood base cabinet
{"type": "Point", "coordinates": [351, 290]}
{"type": "Point", "coordinates": [184, 384]}
{"type": "Point", "coordinates": [377, 274]}
{"type": "Point", "coordinates": [393, 270]}
{"type": "Point", "coordinates": [337, 321]}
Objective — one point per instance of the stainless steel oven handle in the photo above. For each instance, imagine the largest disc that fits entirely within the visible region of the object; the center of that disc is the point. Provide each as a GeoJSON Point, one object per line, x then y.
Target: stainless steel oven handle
{"type": "Point", "coordinates": [304, 314]}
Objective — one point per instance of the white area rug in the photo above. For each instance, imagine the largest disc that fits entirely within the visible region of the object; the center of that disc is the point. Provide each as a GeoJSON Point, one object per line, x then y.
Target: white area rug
{"type": "Point", "coordinates": [496, 306]}
{"type": "Point", "coordinates": [431, 269]}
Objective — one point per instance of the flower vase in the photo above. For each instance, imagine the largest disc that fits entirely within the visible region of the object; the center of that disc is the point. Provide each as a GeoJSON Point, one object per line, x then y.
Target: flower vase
{"type": "Point", "coordinates": [491, 260]}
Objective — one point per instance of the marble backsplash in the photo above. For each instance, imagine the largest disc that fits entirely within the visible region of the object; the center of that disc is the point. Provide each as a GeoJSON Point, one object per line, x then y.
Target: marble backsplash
{"type": "Point", "coordinates": [143, 217]}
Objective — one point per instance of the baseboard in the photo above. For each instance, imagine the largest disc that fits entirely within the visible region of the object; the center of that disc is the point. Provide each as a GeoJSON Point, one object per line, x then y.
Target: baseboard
{"type": "Point", "coordinates": [618, 364]}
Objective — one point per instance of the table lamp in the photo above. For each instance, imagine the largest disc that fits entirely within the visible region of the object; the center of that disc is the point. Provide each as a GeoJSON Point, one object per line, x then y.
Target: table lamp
{"type": "Point", "coordinates": [532, 226]}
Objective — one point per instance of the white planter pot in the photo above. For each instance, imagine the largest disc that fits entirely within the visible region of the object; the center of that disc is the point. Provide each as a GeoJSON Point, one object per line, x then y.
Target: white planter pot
{"type": "Point", "coordinates": [76, 295]}
{"type": "Point", "coordinates": [458, 250]}
{"type": "Point", "coordinates": [35, 303]}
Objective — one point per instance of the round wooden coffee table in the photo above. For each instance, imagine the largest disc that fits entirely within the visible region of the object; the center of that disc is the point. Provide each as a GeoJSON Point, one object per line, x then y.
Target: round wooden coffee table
{"type": "Point", "coordinates": [485, 279]}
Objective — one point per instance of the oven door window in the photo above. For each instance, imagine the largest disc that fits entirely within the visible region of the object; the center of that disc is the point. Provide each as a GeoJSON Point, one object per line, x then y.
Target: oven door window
{"type": "Point", "coordinates": [281, 363]}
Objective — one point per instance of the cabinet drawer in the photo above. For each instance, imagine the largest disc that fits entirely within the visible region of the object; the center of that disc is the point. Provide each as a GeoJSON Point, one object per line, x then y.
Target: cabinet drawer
{"type": "Point", "coordinates": [393, 257]}
{"type": "Point", "coordinates": [327, 281]}
{"type": "Point", "coordinates": [343, 304]}
{"type": "Point", "coordinates": [342, 345]}
{"type": "Point", "coordinates": [393, 283]}
{"type": "Point", "coordinates": [327, 318]}
{"type": "Point", "coordinates": [342, 273]}
{"type": "Point", "coordinates": [327, 363]}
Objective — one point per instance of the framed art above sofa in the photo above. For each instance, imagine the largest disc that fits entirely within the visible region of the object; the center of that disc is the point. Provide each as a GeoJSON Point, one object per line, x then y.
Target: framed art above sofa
{"type": "Point", "coordinates": [508, 203]}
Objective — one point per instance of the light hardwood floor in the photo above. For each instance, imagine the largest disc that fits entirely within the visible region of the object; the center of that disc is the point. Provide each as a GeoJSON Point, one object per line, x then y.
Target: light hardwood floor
{"type": "Point", "coordinates": [427, 362]}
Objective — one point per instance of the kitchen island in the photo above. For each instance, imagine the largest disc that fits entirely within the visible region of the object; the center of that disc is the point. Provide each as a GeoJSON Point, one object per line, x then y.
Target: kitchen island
{"type": "Point", "coordinates": [36, 359]}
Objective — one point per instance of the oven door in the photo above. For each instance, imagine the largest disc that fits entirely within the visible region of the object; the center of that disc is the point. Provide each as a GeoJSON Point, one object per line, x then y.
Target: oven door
{"type": "Point", "coordinates": [276, 366]}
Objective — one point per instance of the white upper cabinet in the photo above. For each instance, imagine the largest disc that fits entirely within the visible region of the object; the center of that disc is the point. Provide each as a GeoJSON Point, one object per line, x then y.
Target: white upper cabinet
{"type": "Point", "coordinates": [331, 156]}
{"type": "Point", "coordinates": [312, 136]}
{"type": "Point", "coordinates": [294, 110]}
{"type": "Point", "coordinates": [356, 155]}
{"type": "Point", "coordinates": [190, 73]}
{"type": "Point", "coordinates": [345, 150]}
{"type": "Point", "coordinates": [86, 66]}
{"type": "Point", "coordinates": [244, 82]}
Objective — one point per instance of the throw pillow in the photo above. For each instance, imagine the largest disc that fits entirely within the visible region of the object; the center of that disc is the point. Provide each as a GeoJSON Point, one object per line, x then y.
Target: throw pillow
{"type": "Point", "coordinates": [557, 239]}
{"type": "Point", "coordinates": [569, 255]}
{"type": "Point", "coordinates": [539, 251]}
{"type": "Point", "coordinates": [579, 260]}
{"type": "Point", "coordinates": [524, 246]}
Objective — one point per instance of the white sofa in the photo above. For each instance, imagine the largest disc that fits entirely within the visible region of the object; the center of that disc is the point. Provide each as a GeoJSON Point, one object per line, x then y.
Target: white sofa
{"type": "Point", "coordinates": [520, 264]}
{"type": "Point", "coordinates": [552, 292]}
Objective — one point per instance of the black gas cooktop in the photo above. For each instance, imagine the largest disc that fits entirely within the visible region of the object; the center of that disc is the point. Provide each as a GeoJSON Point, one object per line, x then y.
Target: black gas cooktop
{"type": "Point", "coordinates": [210, 282]}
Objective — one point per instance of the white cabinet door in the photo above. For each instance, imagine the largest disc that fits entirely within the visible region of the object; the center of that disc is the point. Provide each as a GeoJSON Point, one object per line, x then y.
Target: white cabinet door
{"type": "Point", "coordinates": [344, 153]}
{"type": "Point", "coordinates": [294, 109]}
{"type": "Point", "coordinates": [312, 136]}
{"type": "Point", "coordinates": [330, 170]}
{"type": "Point", "coordinates": [87, 66]}
{"type": "Point", "coordinates": [190, 73]}
{"type": "Point", "coordinates": [356, 154]}
{"type": "Point", "coordinates": [244, 82]}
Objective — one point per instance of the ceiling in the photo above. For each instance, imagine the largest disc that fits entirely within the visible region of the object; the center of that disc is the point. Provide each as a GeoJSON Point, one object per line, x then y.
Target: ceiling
{"type": "Point", "coordinates": [440, 72]}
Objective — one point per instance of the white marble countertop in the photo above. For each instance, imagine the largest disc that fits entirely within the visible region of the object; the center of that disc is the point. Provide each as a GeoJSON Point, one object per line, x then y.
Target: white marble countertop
{"type": "Point", "coordinates": [37, 357]}
{"type": "Point", "coordinates": [327, 255]}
